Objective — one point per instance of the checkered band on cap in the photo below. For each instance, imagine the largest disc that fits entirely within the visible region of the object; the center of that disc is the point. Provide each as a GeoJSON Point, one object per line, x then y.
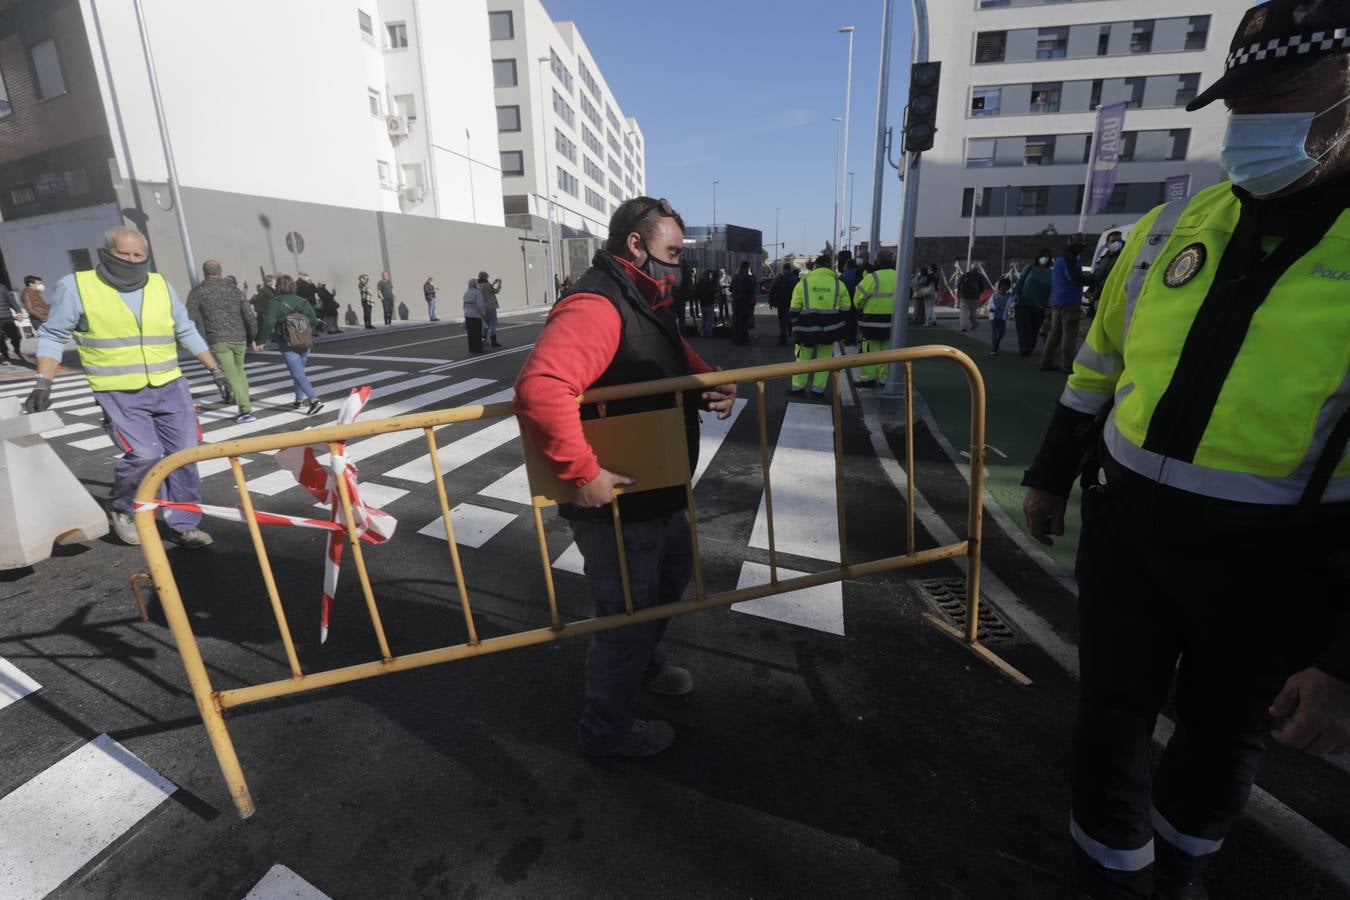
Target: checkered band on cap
{"type": "Point", "coordinates": [1295, 45]}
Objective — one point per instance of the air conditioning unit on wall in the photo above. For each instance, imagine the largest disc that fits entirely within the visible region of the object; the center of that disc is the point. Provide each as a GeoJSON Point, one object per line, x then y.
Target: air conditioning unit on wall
{"type": "Point", "coordinates": [398, 126]}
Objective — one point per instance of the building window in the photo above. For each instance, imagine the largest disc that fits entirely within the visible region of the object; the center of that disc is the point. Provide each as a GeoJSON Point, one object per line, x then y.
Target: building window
{"type": "Point", "coordinates": [504, 73]}
{"type": "Point", "coordinates": [614, 167]}
{"type": "Point", "coordinates": [1045, 97]}
{"type": "Point", "coordinates": [565, 145]}
{"type": "Point", "coordinates": [513, 162]}
{"type": "Point", "coordinates": [405, 105]}
{"type": "Point", "coordinates": [1052, 43]}
{"type": "Point", "coordinates": [412, 178]}
{"type": "Point", "coordinates": [560, 70]}
{"type": "Point", "coordinates": [567, 182]}
{"type": "Point", "coordinates": [367, 26]}
{"type": "Point", "coordinates": [397, 33]}
{"type": "Point", "coordinates": [22, 195]}
{"type": "Point", "coordinates": [48, 81]}
{"type": "Point", "coordinates": [592, 169]}
{"type": "Point", "coordinates": [80, 259]}
{"type": "Point", "coordinates": [1033, 201]}
{"type": "Point", "coordinates": [595, 201]}
{"type": "Point", "coordinates": [1040, 150]}
{"type": "Point", "coordinates": [588, 137]}
{"type": "Point", "coordinates": [564, 110]}
{"type": "Point", "coordinates": [501, 27]}
{"type": "Point", "coordinates": [1104, 40]}
{"type": "Point", "coordinates": [590, 112]}
{"type": "Point", "coordinates": [980, 153]}
{"type": "Point", "coordinates": [1141, 36]}
{"type": "Point", "coordinates": [374, 97]}
{"type": "Point", "coordinates": [990, 46]}
{"type": "Point", "coordinates": [1197, 33]}
{"type": "Point", "coordinates": [5, 106]}
{"type": "Point", "coordinates": [588, 81]}
{"type": "Point", "coordinates": [382, 170]}
{"type": "Point", "coordinates": [508, 118]}
{"type": "Point", "coordinates": [985, 102]}
{"type": "Point", "coordinates": [77, 182]}
{"type": "Point", "coordinates": [1181, 143]}
{"type": "Point", "coordinates": [1187, 87]}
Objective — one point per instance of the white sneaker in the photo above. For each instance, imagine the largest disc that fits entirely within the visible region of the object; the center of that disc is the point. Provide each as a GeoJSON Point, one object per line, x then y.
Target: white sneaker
{"type": "Point", "coordinates": [124, 527]}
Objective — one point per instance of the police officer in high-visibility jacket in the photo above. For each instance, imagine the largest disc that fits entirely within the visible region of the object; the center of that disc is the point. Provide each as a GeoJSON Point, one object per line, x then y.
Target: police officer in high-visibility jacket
{"type": "Point", "coordinates": [817, 308]}
{"type": "Point", "coordinates": [127, 324]}
{"type": "Point", "coordinates": [875, 302]}
{"type": "Point", "coordinates": [1214, 386]}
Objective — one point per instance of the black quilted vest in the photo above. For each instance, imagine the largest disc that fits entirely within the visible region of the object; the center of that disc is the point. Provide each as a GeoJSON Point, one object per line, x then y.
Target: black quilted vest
{"type": "Point", "coordinates": [650, 348]}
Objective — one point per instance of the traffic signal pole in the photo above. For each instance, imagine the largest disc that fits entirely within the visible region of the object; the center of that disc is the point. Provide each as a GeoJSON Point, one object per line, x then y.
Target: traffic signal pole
{"type": "Point", "coordinates": [893, 392]}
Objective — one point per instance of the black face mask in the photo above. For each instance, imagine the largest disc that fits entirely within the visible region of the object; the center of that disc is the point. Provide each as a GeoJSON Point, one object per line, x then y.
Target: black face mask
{"type": "Point", "coordinates": [666, 274]}
{"type": "Point", "coordinates": [123, 275]}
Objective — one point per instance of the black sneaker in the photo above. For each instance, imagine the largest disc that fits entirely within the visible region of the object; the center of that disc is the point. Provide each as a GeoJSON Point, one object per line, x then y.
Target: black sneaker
{"type": "Point", "coordinates": [645, 738]}
{"type": "Point", "coordinates": [296, 404]}
{"type": "Point", "coordinates": [314, 406]}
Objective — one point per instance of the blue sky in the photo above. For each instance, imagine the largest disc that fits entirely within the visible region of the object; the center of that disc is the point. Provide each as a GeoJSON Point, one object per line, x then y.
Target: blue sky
{"type": "Point", "coordinates": [743, 91]}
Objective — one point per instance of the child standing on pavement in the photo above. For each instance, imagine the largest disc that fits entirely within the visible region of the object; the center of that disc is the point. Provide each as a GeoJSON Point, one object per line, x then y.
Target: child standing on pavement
{"type": "Point", "coordinates": [999, 306]}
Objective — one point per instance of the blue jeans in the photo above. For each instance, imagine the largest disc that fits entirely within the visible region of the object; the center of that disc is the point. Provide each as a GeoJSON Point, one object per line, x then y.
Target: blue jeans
{"type": "Point", "coordinates": [708, 322]}
{"type": "Point", "coordinates": [660, 560]}
{"type": "Point", "coordinates": [490, 323]}
{"type": "Point", "coordinates": [295, 363]}
{"type": "Point", "coordinates": [431, 308]}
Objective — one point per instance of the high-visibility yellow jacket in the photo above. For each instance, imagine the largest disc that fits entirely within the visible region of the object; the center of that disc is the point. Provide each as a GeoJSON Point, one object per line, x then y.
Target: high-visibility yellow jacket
{"type": "Point", "coordinates": [875, 302]}
{"type": "Point", "coordinates": [817, 305]}
{"type": "Point", "coordinates": [117, 352]}
{"type": "Point", "coordinates": [1229, 367]}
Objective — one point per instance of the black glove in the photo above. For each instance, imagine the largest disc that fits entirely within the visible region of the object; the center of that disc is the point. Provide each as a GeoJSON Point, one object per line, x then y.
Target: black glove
{"type": "Point", "coordinates": [41, 398]}
{"type": "Point", "coordinates": [222, 384]}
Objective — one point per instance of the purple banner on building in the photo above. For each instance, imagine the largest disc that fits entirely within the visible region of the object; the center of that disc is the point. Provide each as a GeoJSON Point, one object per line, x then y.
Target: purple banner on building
{"type": "Point", "coordinates": [1178, 187]}
{"type": "Point", "coordinates": [1106, 159]}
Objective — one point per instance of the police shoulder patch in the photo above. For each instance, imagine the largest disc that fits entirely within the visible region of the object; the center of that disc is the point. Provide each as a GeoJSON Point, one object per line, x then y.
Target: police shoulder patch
{"type": "Point", "coordinates": [1185, 266]}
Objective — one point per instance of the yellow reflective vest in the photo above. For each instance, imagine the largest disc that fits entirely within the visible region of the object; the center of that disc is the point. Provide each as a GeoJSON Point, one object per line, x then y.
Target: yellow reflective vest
{"type": "Point", "coordinates": [816, 308]}
{"type": "Point", "coordinates": [875, 302]}
{"type": "Point", "coordinates": [1229, 391]}
{"type": "Point", "coordinates": [117, 352]}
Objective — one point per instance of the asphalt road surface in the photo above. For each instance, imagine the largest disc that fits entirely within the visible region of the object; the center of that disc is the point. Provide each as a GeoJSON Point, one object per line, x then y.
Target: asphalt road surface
{"type": "Point", "coordinates": [835, 743]}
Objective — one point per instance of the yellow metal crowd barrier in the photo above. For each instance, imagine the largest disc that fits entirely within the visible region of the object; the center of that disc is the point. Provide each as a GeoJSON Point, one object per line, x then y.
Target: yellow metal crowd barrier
{"type": "Point", "coordinates": [650, 446]}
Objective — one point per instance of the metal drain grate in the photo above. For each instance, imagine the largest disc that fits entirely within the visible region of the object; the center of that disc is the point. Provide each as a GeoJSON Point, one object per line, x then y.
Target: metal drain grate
{"type": "Point", "coordinates": [947, 597]}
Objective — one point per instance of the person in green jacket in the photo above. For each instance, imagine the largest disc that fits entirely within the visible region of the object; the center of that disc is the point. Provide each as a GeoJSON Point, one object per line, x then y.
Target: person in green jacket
{"type": "Point", "coordinates": [284, 304]}
{"type": "Point", "coordinates": [1033, 296]}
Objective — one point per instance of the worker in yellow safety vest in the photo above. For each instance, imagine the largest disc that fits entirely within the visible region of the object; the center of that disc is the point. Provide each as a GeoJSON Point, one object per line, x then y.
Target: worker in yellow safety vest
{"type": "Point", "coordinates": [127, 324]}
{"type": "Point", "coordinates": [817, 309]}
{"type": "Point", "coordinates": [875, 302]}
{"type": "Point", "coordinates": [1211, 402]}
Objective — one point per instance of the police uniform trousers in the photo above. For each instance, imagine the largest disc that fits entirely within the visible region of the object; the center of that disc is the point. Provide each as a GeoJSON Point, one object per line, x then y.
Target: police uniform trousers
{"type": "Point", "coordinates": [1181, 596]}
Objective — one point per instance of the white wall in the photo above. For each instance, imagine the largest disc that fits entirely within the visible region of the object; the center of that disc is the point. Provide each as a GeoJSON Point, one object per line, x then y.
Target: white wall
{"type": "Point", "coordinates": [40, 245]}
{"type": "Point", "coordinates": [953, 26]}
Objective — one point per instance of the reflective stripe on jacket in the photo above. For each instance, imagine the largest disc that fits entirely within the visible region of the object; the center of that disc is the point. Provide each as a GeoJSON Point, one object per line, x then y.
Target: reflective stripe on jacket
{"type": "Point", "coordinates": [1241, 414]}
{"type": "Point", "coordinates": [117, 352]}
{"type": "Point", "coordinates": [817, 308]}
{"type": "Point", "coordinates": [875, 302]}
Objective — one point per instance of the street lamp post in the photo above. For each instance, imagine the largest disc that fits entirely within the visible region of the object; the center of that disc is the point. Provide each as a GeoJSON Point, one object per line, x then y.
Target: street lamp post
{"type": "Point", "coordinates": [548, 193]}
{"type": "Point", "coordinates": [848, 102]}
{"type": "Point", "coordinates": [714, 222]}
{"type": "Point", "coordinates": [838, 188]}
{"type": "Point", "coordinates": [879, 151]}
{"type": "Point", "coordinates": [777, 247]}
{"type": "Point", "coordinates": [850, 210]}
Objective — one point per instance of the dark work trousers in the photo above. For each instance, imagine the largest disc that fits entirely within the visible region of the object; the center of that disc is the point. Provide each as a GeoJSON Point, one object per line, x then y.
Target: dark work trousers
{"type": "Point", "coordinates": [366, 309]}
{"type": "Point", "coordinates": [660, 560]}
{"type": "Point", "coordinates": [742, 312]}
{"type": "Point", "coordinates": [1158, 584]}
{"type": "Point", "coordinates": [388, 311]}
{"type": "Point", "coordinates": [997, 328]}
{"type": "Point", "coordinates": [1029, 319]}
{"type": "Point", "coordinates": [11, 333]}
{"type": "Point", "coordinates": [148, 425]}
{"type": "Point", "coordinates": [473, 327]}
{"type": "Point", "coordinates": [784, 324]}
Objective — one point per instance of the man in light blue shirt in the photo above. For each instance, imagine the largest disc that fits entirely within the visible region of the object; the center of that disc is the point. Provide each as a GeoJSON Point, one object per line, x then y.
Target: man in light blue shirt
{"type": "Point", "coordinates": [147, 405]}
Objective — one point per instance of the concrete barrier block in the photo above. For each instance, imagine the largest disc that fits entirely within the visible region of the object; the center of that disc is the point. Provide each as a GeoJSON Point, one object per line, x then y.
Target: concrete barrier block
{"type": "Point", "coordinates": [42, 503]}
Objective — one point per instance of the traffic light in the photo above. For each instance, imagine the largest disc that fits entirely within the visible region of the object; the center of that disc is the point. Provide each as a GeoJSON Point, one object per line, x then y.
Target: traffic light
{"type": "Point", "coordinates": [921, 114]}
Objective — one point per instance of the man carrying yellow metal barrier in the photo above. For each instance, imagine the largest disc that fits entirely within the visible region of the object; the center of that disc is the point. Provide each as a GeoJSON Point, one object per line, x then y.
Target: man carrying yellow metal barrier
{"type": "Point", "coordinates": [613, 328]}
{"type": "Point", "coordinates": [817, 306]}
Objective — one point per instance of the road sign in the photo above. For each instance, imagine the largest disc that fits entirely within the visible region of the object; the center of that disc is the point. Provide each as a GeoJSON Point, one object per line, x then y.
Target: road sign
{"type": "Point", "coordinates": [295, 242]}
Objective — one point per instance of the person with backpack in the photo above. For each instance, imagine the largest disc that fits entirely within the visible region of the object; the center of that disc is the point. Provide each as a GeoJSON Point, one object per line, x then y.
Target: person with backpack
{"type": "Point", "coordinates": [291, 322]}
{"type": "Point", "coordinates": [969, 288]}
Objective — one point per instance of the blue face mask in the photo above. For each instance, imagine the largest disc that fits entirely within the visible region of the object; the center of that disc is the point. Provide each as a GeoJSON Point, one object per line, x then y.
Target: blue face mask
{"type": "Point", "coordinates": [1264, 154]}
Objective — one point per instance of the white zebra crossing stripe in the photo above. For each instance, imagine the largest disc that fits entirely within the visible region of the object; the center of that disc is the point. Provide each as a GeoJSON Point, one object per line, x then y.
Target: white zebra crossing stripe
{"type": "Point", "coordinates": [59, 820]}
{"type": "Point", "coordinates": [86, 405]}
{"type": "Point", "coordinates": [513, 487]}
{"type": "Point", "coordinates": [280, 883]}
{"type": "Point", "coordinates": [67, 430]}
{"type": "Point", "coordinates": [276, 482]}
{"type": "Point", "coordinates": [805, 522]}
{"type": "Point", "coordinates": [474, 525]}
{"type": "Point", "coordinates": [77, 391]}
{"type": "Point", "coordinates": [262, 394]}
{"type": "Point", "coordinates": [14, 685]}
{"type": "Point", "coordinates": [374, 494]}
{"type": "Point", "coordinates": [820, 608]}
{"type": "Point", "coordinates": [76, 381]}
{"type": "Point", "coordinates": [466, 449]}
{"type": "Point", "coordinates": [712, 434]}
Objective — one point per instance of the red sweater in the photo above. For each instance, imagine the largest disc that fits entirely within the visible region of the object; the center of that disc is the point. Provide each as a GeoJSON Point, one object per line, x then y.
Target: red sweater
{"type": "Point", "coordinates": [575, 348]}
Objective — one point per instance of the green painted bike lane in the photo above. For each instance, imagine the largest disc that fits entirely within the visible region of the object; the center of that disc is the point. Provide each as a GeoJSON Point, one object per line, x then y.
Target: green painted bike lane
{"type": "Point", "coordinates": [1021, 401]}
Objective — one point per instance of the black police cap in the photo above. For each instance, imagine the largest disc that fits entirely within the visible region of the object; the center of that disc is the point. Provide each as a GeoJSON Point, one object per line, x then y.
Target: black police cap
{"type": "Point", "coordinates": [1276, 42]}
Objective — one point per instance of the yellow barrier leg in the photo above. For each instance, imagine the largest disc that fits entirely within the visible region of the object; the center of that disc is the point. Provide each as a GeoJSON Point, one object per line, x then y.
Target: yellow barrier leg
{"type": "Point", "coordinates": [768, 489]}
{"type": "Point", "coordinates": [360, 557]}
{"type": "Point", "coordinates": [909, 455]}
{"type": "Point", "coordinates": [450, 534]}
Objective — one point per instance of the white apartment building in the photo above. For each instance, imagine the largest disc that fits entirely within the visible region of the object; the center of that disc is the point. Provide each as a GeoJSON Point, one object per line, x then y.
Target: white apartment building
{"type": "Point", "coordinates": [368, 128]}
{"type": "Point", "coordinates": [1021, 83]}
{"type": "Point", "coordinates": [562, 133]}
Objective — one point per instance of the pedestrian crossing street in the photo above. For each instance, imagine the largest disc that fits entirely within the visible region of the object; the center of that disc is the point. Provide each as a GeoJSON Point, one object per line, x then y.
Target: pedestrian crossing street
{"type": "Point", "coordinates": [76, 809]}
{"type": "Point", "coordinates": [395, 469]}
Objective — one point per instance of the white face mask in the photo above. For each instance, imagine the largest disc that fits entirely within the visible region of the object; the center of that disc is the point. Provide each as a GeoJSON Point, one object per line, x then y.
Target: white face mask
{"type": "Point", "coordinates": [1044, 260]}
{"type": "Point", "coordinates": [40, 287]}
{"type": "Point", "coordinates": [1264, 154]}
{"type": "Point", "coordinates": [1114, 246]}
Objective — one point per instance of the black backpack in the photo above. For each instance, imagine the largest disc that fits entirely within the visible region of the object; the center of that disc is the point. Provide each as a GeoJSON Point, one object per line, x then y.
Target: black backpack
{"type": "Point", "coordinates": [969, 285]}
